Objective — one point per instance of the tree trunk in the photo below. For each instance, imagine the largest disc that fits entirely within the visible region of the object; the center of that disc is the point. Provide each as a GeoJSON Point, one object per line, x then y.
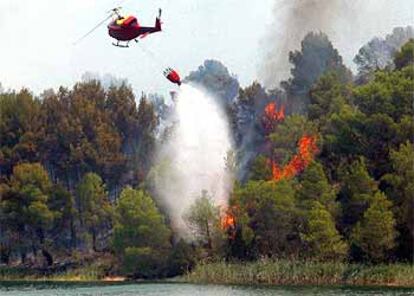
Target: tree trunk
{"type": "Point", "coordinates": [209, 242]}
{"type": "Point", "coordinates": [48, 257]}
{"type": "Point", "coordinates": [34, 250]}
{"type": "Point", "coordinates": [73, 238]}
{"type": "Point", "coordinates": [5, 255]}
{"type": "Point", "coordinates": [94, 240]}
{"type": "Point", "coordinates": [23, 257]}
{"type": "Point", "coordinates": [46, 254]}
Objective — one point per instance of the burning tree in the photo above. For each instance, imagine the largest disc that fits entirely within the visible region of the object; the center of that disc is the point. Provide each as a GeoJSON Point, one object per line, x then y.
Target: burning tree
{"type": "Point", "coordinates": [307, 150]}
{"type": "Point", "coordinates": [228, 221]}
{"type": "Point", "coordinates": [272, 116]}
{"type": "Point", "coordinates": [261, 215]}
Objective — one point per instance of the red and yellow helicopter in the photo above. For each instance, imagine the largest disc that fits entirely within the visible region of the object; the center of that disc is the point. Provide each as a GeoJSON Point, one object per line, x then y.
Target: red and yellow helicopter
{"type": "Point", "coordinates": [125, 29]}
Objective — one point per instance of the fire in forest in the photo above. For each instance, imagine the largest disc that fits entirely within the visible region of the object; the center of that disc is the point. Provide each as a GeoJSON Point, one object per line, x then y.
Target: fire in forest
{"type": "Point", "coordinates": [307, 150]}
{"type": "Point", "coordinates": [228, 222]}
{"type": "Point", "coordinates": [273, 115]}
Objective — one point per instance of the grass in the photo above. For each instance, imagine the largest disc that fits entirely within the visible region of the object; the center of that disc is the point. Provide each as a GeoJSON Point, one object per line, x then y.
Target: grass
{"type": "Point", "coordinates": [266, 272]}
{"type": "Point", "coordinates": [89, 273]}
{"type": "Point", "coordinates": [285, 272]}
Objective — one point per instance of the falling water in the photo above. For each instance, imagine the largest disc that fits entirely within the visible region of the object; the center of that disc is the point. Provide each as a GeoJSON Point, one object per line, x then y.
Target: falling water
{"type": "Point", "coordinates": [194, 156]}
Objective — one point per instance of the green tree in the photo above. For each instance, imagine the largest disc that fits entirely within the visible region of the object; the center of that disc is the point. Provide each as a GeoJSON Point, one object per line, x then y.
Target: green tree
{"type": "Point", "coordinates": [286, 135]}
{"type": "Point", "coordinates": [405, 57]}
{"type": "Point", "coordinates": [401, 192]}
{"type": "Point", "coordinates": [62, 202]}
{"type": "Point", "coordinates": [182, 259]}
{"type": "Point", "coordinates": [327, 96]}
{"type": "Point", "coordinates": [261, 169]}
{"type": "Point", "coordinates": [323, 238]}
{"type": "Point", "coordinates": [357, 192]}
{"type": "Point", "coordinates": [94, 208]}
{"type": "Point", "coordinates": [25, 210]}
{"type": "Point", "coordinates": [343, 136]}
{"type": "Point", "coordinates": [203, 219]}
{"type": "Point", "coordinates": [140, 237]}
{"type": "Point", "coordinates": [376, 233]}
{"type": "Point", "coordinates": [317, 56]}
{"type": "Point", "coordinates": [265, 216]}
{"type": "Point", "coordinates": [389, 93]}
{"type": "Point", "coordinates": [350, 134]}
{"type": "Point", "coordinates": [314, 187]}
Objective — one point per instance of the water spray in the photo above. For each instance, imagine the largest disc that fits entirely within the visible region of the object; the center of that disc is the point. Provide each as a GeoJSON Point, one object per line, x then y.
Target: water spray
{"type": "Point", "coordinates": [193, 158]}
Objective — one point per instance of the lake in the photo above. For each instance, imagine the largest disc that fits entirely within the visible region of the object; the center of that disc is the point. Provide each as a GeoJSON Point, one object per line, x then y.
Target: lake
{"type": "Point", "coordinates": [178, 289]}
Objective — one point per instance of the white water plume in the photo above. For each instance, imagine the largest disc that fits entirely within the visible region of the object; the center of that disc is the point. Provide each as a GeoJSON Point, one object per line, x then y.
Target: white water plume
{"type": "Point", "coordinates": [194, 156]}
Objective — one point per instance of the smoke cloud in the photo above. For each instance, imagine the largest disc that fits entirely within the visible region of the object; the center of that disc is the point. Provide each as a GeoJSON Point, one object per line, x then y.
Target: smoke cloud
{"type": "Point", "coordinates": [193, 157]}
{"type": "Point", "coordinates": [349, 24]}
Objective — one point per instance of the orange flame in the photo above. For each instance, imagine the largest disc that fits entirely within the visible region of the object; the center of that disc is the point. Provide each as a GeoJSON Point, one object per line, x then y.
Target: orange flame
{"type": "Point", "coordinates": [273, 115]}
{"type": "Point", "coordinates": [227, 221]}
{"type": "Point", "coordinates": [307, 149]}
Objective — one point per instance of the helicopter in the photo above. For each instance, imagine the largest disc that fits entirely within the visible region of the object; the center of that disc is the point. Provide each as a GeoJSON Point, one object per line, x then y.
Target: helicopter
{"type": "Point", "coordinates": [125, 29]}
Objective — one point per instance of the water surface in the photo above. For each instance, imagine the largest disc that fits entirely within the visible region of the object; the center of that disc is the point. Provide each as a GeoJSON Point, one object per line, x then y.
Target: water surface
{"type": "Point", "coordinates": [172, 289]}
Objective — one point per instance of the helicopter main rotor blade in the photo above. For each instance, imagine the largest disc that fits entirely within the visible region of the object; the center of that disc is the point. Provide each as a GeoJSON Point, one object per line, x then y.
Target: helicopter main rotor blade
{"type": "Point", "coordinates": [93, 29]}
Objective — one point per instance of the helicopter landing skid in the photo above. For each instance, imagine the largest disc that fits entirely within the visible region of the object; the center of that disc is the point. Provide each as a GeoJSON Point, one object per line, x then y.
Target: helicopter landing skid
{"type": "Point", "coordinates": [121, 45]}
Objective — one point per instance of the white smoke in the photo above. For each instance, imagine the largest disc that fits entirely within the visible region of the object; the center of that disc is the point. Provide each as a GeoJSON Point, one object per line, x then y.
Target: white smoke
{"type": "Point", "coordinates": [193, 158]}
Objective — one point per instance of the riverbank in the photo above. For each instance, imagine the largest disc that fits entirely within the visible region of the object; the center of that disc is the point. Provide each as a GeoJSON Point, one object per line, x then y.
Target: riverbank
{"type": "Point", "coordinates": [263, 272]}
{"type": "Point", "coordinates": [284, 272]}
{"type": "Point", "coordinates": [91, 273]}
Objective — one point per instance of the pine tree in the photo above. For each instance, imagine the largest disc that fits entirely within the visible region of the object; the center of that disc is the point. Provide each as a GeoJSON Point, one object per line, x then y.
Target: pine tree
{"type": "Point", "coordinates": [375, 234]}
{"type": "Point", "coordinates": [401, 192]}
{"type": "Point", "coordinates": [356, 194]}
{"type": "Point", "coordinates": [317, 56]}
{"type": "Point", "coordinates": [323, 238]}
{"type": "Point", "coordinates": [24, 209]}
{"type": "Point", "coordinates": [405, 57]}
{"type": "Point", "coordinates": [95, 210]}
{"type": "Point", "coordinates": [140, 235]}
{"type": "Point", "coordinates": [314, 187]}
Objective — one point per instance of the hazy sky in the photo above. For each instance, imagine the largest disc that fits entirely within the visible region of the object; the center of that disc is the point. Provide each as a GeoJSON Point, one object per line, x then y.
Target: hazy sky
{"type": "Point", "coordinates": [348, 23]}
{"type": "Point", "coordinates": [38, 52]}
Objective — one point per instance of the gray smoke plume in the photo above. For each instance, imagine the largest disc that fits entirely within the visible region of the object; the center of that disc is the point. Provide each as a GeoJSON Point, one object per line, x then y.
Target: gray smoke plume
{"type": "Point", "coordinates": [348, 24]}
{"type": "Point", "coordinates": [293, 20]}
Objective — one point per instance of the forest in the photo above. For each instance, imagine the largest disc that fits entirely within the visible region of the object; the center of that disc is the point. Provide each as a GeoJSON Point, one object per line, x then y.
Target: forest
{"type": "Point", "coordinates": [323, 166]}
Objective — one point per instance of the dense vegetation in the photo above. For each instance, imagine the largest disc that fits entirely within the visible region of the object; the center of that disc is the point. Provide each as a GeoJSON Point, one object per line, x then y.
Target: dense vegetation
{"type": "Point", "coordinates": [289, 272]}
{"type": "Point", "coordinates": [74, 165]}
